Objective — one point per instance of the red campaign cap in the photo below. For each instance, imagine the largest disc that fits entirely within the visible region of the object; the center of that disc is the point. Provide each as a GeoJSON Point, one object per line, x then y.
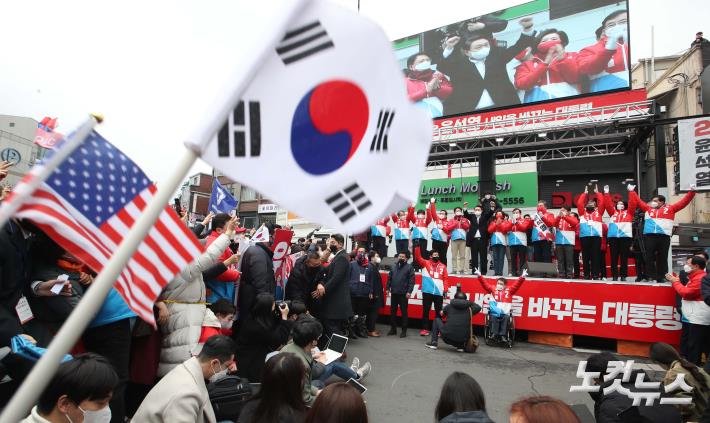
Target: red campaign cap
{"type": "Point", "coordinates": [240, 230]}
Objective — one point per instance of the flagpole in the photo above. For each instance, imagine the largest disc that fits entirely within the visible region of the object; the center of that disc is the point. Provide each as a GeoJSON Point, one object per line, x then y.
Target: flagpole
{"type": "Point", "coordinates": [25, 189]}
{"type": "Point", "coordinates": [78, 320]}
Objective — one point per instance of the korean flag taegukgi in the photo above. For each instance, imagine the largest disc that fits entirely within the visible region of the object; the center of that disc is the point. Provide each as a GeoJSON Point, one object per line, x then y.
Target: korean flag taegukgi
{"type": "Point", "coordinates": [325, 128]}
{"type": "Point", "coordinates": [221, 200]}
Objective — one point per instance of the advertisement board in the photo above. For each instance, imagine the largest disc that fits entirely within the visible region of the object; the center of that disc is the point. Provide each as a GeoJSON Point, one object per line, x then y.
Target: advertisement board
{"type": "Point", "coordinates": [513, 190]}
{"type": "Point", "coordinates": [629, 311]}
{"type": "Point", "coordinates": [538, 51]}
{"type": "Point", "coordinates": [694, 153]}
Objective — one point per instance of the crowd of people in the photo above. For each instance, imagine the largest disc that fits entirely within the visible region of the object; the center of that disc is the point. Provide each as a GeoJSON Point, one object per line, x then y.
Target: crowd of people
{"type": "Point", "coordinates": [584, 243]}
{"type": "Point", "coordinates": [471, 70]}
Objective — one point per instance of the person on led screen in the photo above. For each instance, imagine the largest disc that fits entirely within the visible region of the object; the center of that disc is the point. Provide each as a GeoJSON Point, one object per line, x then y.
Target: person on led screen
{"type": "Point", "coordinates": [425, 86]}
{"type": "Point", "coordinates": [552, 73]}
{"type": "Point", "coordinates": [478, 70]}
{"type": "Point", "coordinates": [607, 61]}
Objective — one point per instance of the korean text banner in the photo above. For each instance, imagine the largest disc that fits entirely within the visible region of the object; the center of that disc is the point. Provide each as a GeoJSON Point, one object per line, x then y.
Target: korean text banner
{"type": "Point", "coordinates": [694, 153]}
{"type": "Point", "coordinates": [538, 51]}
{"type": "Point", "coordinates": [634, 312]}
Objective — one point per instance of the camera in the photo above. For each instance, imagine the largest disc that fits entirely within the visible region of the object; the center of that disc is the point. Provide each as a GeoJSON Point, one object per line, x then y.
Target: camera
{"type": "Point", "coordinates": [284, 304]}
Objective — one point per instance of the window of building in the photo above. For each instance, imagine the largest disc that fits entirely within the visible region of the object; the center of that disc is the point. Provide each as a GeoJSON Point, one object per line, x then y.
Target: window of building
{"type": "Point", "coordinates": [249, 222]}
{"type": "Point", "coordinates": [12, 124]}
{"type": "Point", "coordinates": [248, 194]}
{"type": "Point", "coordinates": [267, 217]}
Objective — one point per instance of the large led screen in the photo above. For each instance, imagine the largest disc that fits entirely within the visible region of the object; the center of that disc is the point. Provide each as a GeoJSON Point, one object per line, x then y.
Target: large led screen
{"type": "Point", "coordinates": [538, 51]}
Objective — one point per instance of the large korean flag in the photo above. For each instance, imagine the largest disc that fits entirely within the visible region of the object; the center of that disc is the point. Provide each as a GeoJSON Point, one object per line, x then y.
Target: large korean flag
{"type": "Point", "coordinates": [325, 129]}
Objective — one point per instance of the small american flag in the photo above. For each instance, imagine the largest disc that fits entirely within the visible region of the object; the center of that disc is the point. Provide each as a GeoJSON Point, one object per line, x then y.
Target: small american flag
{"type": "Point", "coordinates": [89, 203]}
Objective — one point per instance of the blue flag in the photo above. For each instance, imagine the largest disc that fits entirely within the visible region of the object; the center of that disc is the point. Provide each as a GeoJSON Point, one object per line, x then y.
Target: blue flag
{"type": "Point", "coordinates": [221, 201]}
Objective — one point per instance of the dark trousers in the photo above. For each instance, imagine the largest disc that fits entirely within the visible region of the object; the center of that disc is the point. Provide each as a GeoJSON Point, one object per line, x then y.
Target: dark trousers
{"type": "Point", "coordinates": [684, 340]}
{"type": "Point", "coordinates": [640, 265]}
{"type": "Point", "coordinates": [543, 251]}
{"type": "Point", "coordinates": [113, 341]}
{"type": "Point", "coordinates": [379, 245]}
{"type": "Point", "coordinates": [498, 259]}
{"type": "Point", "coordinates": [372, 313]}
{"type": "Point", "coordinates": [575, 262]}
{"type": "Point", "coordinates": [657, 255]}
{"type": "Point", "coordinates": [479, 254]}
{"type": "Point", "coordinates": [399, 301]}
{"type": "Point", "coordinates": [428, 299]}
{"type": "Point", "coordinates": [602, 264]}
{"type": "Point", "coordinates": [518, 258]}
{"type": "Point", "coordinates": [591, 254]}
{"type": "Point", "coordinates": [619, 248]}
{"type": "Point", "coordinates": [698, 338]}
{"type": "Point", "coordinates": [440, 247]}
{"type": "Point", "coordinates": [499, 325]}
{"type": "Point", "coordinates": [565, 258]}
{"type": "Point", "coordinates": [436, 327]}
{"type": "Point", "coordinates": [331, 326]}
{"type": "Point", "coordinates": [402, 245]}
{"type": "Point", "coordinates": [360, 305]}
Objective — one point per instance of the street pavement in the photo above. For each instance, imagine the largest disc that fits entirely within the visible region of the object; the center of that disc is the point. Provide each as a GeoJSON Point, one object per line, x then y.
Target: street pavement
{"type": "Point", "coordinates": [406, 380]}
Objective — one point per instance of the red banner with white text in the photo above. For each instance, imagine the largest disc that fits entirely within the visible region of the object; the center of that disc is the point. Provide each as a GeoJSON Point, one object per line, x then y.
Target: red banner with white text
{"type": "Point", "coordinates": [576, 111]}
{"type": "Point", "coordinates": [642, 312]}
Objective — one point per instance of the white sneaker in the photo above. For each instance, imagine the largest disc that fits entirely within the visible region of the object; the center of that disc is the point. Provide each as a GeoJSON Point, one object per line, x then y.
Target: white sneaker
{"type": "Point", "coordinates": [356, 364]}
{"type": "Point", "coordinates": [363, 371]}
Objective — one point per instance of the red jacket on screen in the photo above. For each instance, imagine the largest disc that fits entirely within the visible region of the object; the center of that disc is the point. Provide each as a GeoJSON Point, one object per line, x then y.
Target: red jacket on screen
{"type": "Point", "coordinates": [416, 88]}
{"type": "Point", "coordinates": [536, 73]}
{"type": "Point", "coordinates": [596, 58]}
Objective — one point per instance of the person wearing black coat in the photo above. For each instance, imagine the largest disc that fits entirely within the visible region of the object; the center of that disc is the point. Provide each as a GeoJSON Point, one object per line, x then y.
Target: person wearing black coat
{"type": "Point", "coordinates": [265, 329]}
{"type": "Point", "coordinates": [476, 67]}
{"type": "Point", "coordinates": [400, 284]}
{"type": "Point", "coordinates": [14, 268]}
{"type": "Point", "coordinates": [457, 328]}
{"type": "Point", "coordinates": [334, 291]}
{"type": "Point", "coordinates": [378, 297]}
{"type": "Point", "coordinates": [607, 407]}
{"type": "Point", "coordinates": [477, 237]}
{"type": "Point", "coordinates": [257, 276]}
{"type": "Point", "coordinates": [302, 280]}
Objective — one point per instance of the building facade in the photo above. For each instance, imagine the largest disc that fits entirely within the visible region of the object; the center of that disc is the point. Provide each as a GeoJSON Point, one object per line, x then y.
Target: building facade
{"type": "Point", "coordinates": [17, 146]}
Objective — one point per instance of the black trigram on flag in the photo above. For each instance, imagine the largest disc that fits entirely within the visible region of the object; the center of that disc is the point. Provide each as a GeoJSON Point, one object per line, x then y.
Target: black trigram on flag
{"type": "Point", "coordinates": [347, 202]}
{"type": "Point", "coordinates": [379, 140]}
{"type": "Point", "coordinates": [236, 132]}
{"type": "Point", "coordinates": [302, 42]}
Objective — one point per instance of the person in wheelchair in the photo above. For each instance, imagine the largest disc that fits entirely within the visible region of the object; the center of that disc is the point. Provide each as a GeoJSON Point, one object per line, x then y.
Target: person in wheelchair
{"type": "Point", "coordinates": [457, 328]}
{"type": "Point", "coordinates": [499, 311]}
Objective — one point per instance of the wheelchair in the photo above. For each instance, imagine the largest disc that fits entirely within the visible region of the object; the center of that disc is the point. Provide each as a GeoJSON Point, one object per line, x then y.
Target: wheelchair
{"type": "Point", "coordinates": [492, 340]}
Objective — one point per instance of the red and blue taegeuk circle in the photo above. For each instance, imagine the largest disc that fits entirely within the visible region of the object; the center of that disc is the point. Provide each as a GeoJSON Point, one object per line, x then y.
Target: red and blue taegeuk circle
{"type": "Point", "coordinates": [328, 126]}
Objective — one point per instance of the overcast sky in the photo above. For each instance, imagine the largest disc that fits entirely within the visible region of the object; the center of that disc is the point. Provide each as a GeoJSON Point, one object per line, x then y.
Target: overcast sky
{"type": "Point", "coordinates": [131, 60]}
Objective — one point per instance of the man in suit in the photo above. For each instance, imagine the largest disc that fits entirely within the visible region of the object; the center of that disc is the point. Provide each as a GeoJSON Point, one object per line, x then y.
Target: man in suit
{"type": "Point", "coordinates": [478, 70]}
{"type": "Point", "coordinates": [181, 396]}
{"type": "Point", "coordinates": [334, 291]}
{"type": "Point", "coordinates": [477, 237]}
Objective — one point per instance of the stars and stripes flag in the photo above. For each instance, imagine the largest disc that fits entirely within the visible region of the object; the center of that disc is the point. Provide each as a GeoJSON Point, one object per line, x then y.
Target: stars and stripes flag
{"type": "Point", "coordinates": [89, 203]}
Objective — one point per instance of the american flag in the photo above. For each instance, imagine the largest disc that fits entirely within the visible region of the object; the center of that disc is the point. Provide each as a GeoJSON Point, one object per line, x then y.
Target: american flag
{"type": "Point", "coordinates": [89, 203]}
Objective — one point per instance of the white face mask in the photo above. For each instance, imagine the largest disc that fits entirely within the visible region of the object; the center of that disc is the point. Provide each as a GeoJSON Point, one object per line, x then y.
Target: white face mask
{"type": "Point", "coordinates": [653, 204]}
{"type": "Point", "coordinates": [420, 216]}
{"type": "Point", "coordinates": [378, 260]}
{"type": "Point", "coordinates": [500, 287]}
{"type": "Point", "coordinates": [516, 215]}
{"type": "Point", "coordinates": [95, 416]}
{"type": "Point", "coordinates": [426, 65]}
{"type": "Point", "coordinates": [458, 213]}
{"type": "Point", "coordinates": [226, 324]}
{"type": "Point", "coordinates": [480, 54]}
{"type": "Point", "coordinates": [217, 375]}
{"type": "Point", "coordinates": [620, 207]}
{"type": "Point", "coordinates": [477, 213]}
{"type": "Point", "coordinates": [687, 268]}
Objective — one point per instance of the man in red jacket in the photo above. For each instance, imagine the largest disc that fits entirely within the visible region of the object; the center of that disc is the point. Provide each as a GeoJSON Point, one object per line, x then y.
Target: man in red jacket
{"type": "Point", "coordinates": [607, 62]}
{"type": "Point", "coordinates": [694, 308]}
{"type": "Point", "coordinates": [223, 285]}
{"type": "Point", "coordinates": [657, 230]}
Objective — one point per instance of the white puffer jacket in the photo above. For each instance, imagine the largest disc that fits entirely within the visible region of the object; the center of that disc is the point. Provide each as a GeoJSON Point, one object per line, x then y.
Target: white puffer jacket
{"type": "Point", "coordinates": [182, 331]}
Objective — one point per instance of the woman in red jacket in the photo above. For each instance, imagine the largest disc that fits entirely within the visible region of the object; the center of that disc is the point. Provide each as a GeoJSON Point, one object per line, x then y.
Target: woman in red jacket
{"type": "Point", "coordinates": [425, 86]}
{"type": "Point", "coordinates": [499, 228]}
{"type": "Point", "coordinates": [552, 72]}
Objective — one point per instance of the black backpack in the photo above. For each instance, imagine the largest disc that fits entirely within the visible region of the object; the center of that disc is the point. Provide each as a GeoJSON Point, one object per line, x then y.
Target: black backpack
{"type": "Point", "coordinates": [228, 395]}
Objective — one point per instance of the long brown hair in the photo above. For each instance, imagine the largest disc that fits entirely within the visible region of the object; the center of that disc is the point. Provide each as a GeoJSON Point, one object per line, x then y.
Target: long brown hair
{"type": "Point", "coordinates": [665, 354]}
{"type": "Point", "coordinates": [340, 403]}
{"type": "Point", "coordinates": [543, 409]}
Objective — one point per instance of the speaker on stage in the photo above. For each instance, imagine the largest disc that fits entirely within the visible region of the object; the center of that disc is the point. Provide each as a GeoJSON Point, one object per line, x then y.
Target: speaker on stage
{"type": "Point", "coordinates": [542, 270]}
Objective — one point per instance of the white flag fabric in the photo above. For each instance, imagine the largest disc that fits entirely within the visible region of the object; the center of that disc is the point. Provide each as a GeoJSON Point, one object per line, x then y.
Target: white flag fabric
{"type": "Point", "coordinates": [326, 129]}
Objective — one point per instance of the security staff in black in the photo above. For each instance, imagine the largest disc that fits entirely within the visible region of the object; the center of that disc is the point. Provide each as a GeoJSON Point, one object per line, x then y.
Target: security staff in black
{"type": "Point", "coordinates": [400, 284]}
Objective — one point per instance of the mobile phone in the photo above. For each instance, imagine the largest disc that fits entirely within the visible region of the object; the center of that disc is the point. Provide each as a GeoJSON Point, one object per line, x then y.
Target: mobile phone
{"type": "Point", "coordinates": [357, 385]}
{"type": "Point", "coordinates": [178, 207]}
